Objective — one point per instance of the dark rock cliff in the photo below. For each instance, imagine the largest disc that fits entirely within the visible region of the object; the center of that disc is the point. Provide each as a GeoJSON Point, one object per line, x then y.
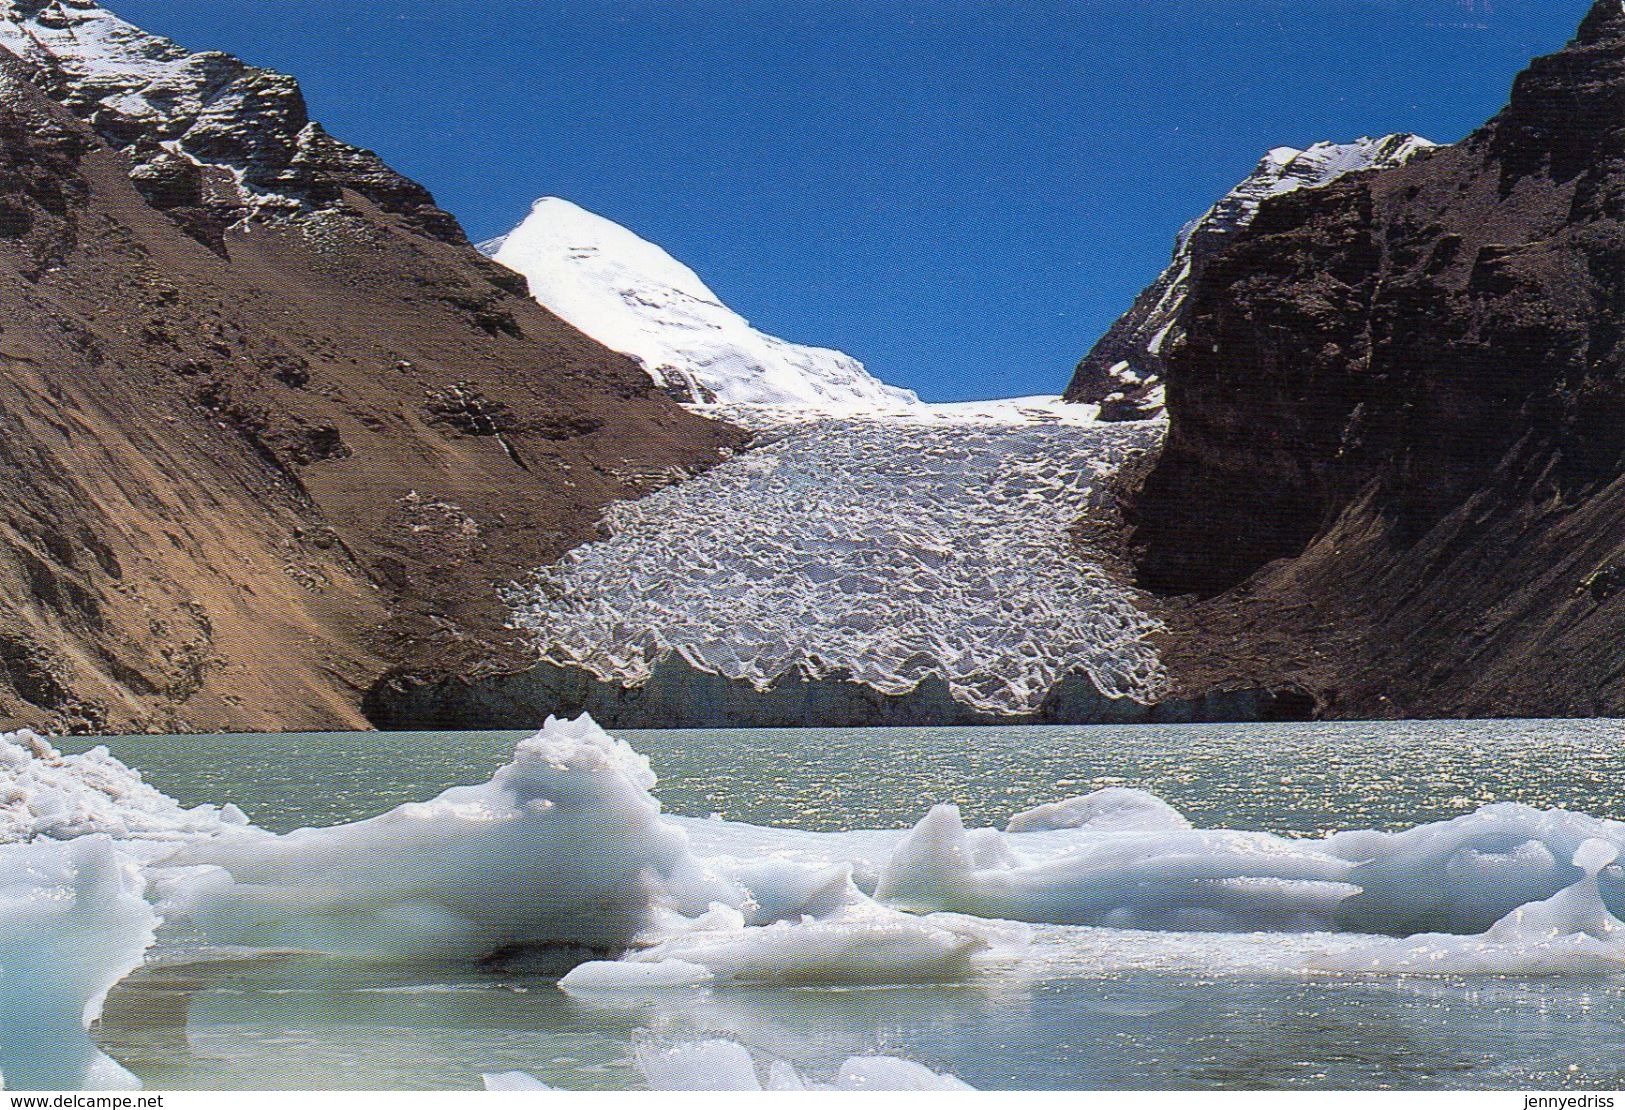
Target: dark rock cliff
{"type": "Point", "coordinates": [1393, 471]}
{"type": "Point", "coordinates": [1123, 372]}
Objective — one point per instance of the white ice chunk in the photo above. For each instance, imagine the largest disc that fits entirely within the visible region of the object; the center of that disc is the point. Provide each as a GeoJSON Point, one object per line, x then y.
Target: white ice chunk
{"type": "Point", "coordinates": [1463, 875]}
{"type": "Point", "coordinates": [564, 845]}
{"type": "Point", "coordinates": [890, 1073]}
{"type": "Point", "coordinates": [72, 924]}
{"type": "Point", "coordinates": [1173, 878]}
{"type": "Point", "coordinates": [1570, 933]}
{"type": "Point", "coordinates": [1116, 808]}
{"type": "Point", "coordinates": [45, 794]}
{"type": "Point", "coordinates": [513, 1081]}
{"type": "Point", "coordinates": [714, 1065]}
{"type": "Point", "coordinates": [719, 1064]}
{"type": "Point", "coordinates": [626, 977]}
{"type": "Point", "coordinates": [859, 943]}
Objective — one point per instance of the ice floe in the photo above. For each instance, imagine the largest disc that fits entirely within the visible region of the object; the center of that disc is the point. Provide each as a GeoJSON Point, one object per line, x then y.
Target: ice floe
{"type": "Point", "coordinates": [566, 850]}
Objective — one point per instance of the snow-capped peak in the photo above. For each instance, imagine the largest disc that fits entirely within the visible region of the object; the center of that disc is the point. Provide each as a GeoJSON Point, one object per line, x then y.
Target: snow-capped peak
{"type": "Point", "coordinates": [1123, 373]}
{"type": "Point", "coordinates": [1287, 169]}
{"type": "Point", "coordinates": [634, 297]}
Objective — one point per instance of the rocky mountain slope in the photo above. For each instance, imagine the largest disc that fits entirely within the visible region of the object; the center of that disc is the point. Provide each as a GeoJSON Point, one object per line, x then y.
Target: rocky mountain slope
{"type": "Point", "coordinates": [632, 296]}
{"type": "Point", "coordinates": [1394, 468]}
{"type": "Point", "coordinates": [1123, 372]}
{"type": "Point", "coordinates": [272, 428]}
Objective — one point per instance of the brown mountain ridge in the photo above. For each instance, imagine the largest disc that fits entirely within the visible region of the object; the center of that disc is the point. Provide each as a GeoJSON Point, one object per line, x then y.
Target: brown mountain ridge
{"type": "Point", "coordinates": [270, 428]}
{"type": "Point", "coordinates": [1395, 470]}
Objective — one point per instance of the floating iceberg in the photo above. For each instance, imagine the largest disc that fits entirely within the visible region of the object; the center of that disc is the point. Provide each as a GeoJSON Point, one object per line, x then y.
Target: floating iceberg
{"type": "Point", "coordinates": [565, 853]}
{"type": "Point", "coordinates": [564, 846]}
{"type": "Point", "coordinates": [1572, 932]}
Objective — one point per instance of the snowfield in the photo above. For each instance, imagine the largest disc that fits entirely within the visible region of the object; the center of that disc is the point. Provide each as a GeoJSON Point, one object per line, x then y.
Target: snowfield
{"type": "Point", "coordinates": [889, 547]}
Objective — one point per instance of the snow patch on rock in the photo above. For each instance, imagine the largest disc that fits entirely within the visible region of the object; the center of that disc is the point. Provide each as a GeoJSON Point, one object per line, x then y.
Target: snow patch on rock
{"type": "Point", "coordinates": [202, 128]}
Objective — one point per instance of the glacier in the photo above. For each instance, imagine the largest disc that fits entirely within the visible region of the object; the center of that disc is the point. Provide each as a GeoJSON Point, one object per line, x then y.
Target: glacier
{"type": "Point", "coordinates": [635, 298]}
{"type": "Point", "coordinates": [884, 549]}
{"type": "Point", "coordinates": [864, 537]}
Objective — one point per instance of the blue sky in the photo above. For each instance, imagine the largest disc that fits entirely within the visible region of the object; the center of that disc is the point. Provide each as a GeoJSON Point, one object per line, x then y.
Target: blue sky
{"type": "Point", "coordinates": [962, 194]}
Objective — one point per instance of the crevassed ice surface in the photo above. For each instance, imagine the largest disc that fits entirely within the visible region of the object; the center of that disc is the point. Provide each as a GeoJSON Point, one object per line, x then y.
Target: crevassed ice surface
{"type": "Point", "coordinates": [893, 549]}
{"type": "Point", "coordinates": [633, 297]}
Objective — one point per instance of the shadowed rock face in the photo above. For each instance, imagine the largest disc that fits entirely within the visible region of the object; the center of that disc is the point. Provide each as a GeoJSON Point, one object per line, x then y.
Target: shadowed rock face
{"type": "Point", "coordinates": [1123, 372]}
{"type": "Point", "coordinates": [1408, 387]}
{"type": "Point", "coordinates": [272, 428]}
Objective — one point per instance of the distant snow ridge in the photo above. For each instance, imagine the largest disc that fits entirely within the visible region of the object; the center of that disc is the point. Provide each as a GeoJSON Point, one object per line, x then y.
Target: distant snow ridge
{"type": "Point", "coordinates": [200, 127]}
{"type": "Point", "coordinates": [891, 548]}
{"type": "Point", "coordinates": [1123, 373]}
{"type": "Point", "coordinates": [633, 297]}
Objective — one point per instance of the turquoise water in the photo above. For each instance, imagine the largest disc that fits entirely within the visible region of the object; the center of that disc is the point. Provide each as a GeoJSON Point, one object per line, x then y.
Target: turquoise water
{"type": "Point", "coordinates": [1289, 778]}
{"type": "Point", "coordinates": [323, 1023]}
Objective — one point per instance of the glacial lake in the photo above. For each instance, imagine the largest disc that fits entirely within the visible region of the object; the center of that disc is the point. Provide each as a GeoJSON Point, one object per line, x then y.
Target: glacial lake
{"type": "Point", "coordinates": [1104, 1009]}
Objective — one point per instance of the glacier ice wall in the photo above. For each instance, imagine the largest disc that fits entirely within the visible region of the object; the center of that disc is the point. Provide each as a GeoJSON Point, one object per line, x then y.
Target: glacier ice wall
{"type": "Point", "coordinates": [888, 548]}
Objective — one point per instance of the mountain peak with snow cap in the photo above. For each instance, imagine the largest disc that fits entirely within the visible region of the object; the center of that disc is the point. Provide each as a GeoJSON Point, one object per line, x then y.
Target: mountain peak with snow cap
{"type": "Point", "coordinates": [634, 297]}
{"type": "Point", "coordinates": [1123, 373]}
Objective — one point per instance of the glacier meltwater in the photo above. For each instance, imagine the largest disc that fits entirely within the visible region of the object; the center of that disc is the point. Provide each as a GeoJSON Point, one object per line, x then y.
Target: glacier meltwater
{"type": "Point", "coordinates": [565, 861]}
